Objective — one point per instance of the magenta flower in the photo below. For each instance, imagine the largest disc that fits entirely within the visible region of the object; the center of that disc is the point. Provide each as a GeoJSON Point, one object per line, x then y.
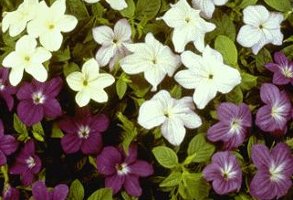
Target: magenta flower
{"type": "Point", "coordinates": [233, 124]}
{"type": "Point", "coordinates": [38, 100]}
{"type": "Point", "coordinates": [83, 132]}
{"type": "Point", "coordinates": [8, 145]}
{"type": "Point", "coordinates": [10, 193]}
{"type": "Point", "coordinates": [40, 192]}
{"type": "Point", "coordinates": [123, 170]}
{"type": "Point", "coordinates": [282, 68]}
{"type": "Point", "coordinates": [224, 172]}
{"type": "Point", "coordinates": [27, 163]}
{"type": "Point", "coordinates": [273, 116]}
{"type": "Point", "coordinates": [6, 90]}
{"type": "Point", "coordinates": [275, 168]}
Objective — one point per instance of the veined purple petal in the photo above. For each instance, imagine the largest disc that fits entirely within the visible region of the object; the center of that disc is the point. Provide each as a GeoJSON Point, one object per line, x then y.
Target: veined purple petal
{"type": "Point", "coordinates": [27, 178]}
{"type": "Point", "coordinates": [273, 67]}
{"type": "Point", "coordinates": [141, 168]}
{"type": "Point", "coordinates": [235, 140]}
{"type": "Point", "coordinates": [11, 194]}
{"type": "Point", "coordinates": [269, 93]}
{"type": "Point", "coordinates": [261, 187]}
{"type": "Point", "coordinates": [280, 58]}
{"type": "Point", "coordinates": [281, 154]}
{"type": "Point", "coordinates": [52, 108]}
{"type": "Point", "coordinates": [38, 165]}
{"type": "Point", "coordinates": [60, 192]}
{"type": "Point", "coordinates": [93, 144]}
{"type": "Point", "coordinates": [100, 123]}
{"type": "Point", "coordinates": [67, 125]}
{"type": "Point", "coordinates": [115, 182]}
{"type": "Point", "coordinates": [260, 156]}
{"type": "Point", "coordinates": [227, 111]}
{"type": "Point", "coordinates": [30, 113]}
{"type": "Point", "coordinates": [132, 154]}
{"type": "Point", "coordinates": [71, 143]}
{"type": "Point", "coordinates": [53, 87]}
{"type": "Point", "coordinates": [223, 187]}
{"type": "Point", "coordinates": [2, 158]}
{"type": "Point", "coordinates": [245, 115]}
{"type": "Point", "coordinates": [8, 144]}
{"type": "Point", "coordinates": [217, 132]}
{"type": "Point", "coordinates": [8, 100]}
{"type": "Point", "coordinates": [212, 172]}
{"type": "Point", "coordinates": [29, 148]}
{"type": "Point", "coordinates": [25, 91]}
{"type": "Point", "coordinates": [132, 186]}
{"type": "Point", "coordinates": [280, 79]}
{"type": "Point", "coordinates": [282, 187]}
{"type": "Point", "coordinates": [40, 191]}
{"type": "Point", "coordinates": [107, 161]}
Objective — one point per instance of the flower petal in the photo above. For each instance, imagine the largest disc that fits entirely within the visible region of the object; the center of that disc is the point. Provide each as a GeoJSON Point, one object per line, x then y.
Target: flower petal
{"type": "Point", "coordinates": [132, 186]}
{"type": "Point", "coordinates": [122, 30]}
{"type": "Point", "coordinates": [248, 36]}
{"type": "Point", "coordinates": [107, 161]}
{"type": "Point", "coordinates": [173, 130]}
{"type": "Point", "coordinates": [30, 113]}
{"type": "Point", "coordinates": [60, 192]}
{"type": "Point", "coordinates": [260, 156]}
{"type": "Point", "coordinates": [103, 35]}
{"type": "Point", "coordinates": [150, 114]}
{"type": "Point", "coordinates": [141, 168]}
{"type": "Point", "coordinates": [71, 143]}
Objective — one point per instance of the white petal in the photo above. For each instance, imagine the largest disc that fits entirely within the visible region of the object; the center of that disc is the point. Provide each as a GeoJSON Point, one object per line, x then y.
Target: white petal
{"type": "Point", "coordinates": [174, 131]}
{"type": "Point", "coordinates": [35, 29]}
{"type": "Point", "coordinates": [122, 30]}
{"type": "Point", "coordinates": [67, 23]}
{"type": "Point", "coordinates": [255, 15]}
{"type": "Point", "coordinates": [150, 114]}
{"type": "Point", "coordinates": [58, 8]}
{"type": "Point", "coordinates": [41, 55]}
{"type": "Point", "coordinates": [38, 72]}
{"type": "Point", "coordinates": [75, 81]}
{"type": "Point", "coordinates": [103, 80]}
{"type": "Point", "coordinates": [175, 16]}
{"type": "Point", "coordinates": [187, 79]}
{"type": "Point", "coordinates": [134, 64]}
{"type": "Point", "coordinates": [260, 44]}
{"type": "Point", "coordinates": [26, 44]}
{"type": "Point", "coordinates": [8, 19]}
{"type": "Point", "coordinates": [17, 28]}
{"type": "Point", "coordinates": [199, 42]}
{"type": "Point", "coordinates": [154, 76]}
{"type": "Point", "coordinates": [91, 68]}
{"type": "Point", "coordinates": [91, 1]}
{"type": "Point", "coordinates": [220, 2]}
{"type": "Point", "coordinates": [230, 77]}
{"type": "Point", "coordinates": [204, 93]}
{"type": "Point", "coordinates": [15, 76]}
{"type": "Point", "coordinates": [248, 36]}
{"type": "Point", "coordinates": [164, 98]}
{"type": "Point", "coordinates": [277, 37]}
{"type": "Point", "coordinates": [190, 120]}
{"type": "Point", "coordinates": [51, 40]}
{"type": "Point", "coordinates": [182, 36]}
{"type": "Point", "coordinates": [103, 35]}
{"type": "Point", "coordinates": [12, 60]}
{"type": "Point", "coordinates": [274, 21]}
{"type": "Point", "coordinates": [191, 60]}
{"type": "Point", "coordinates": [82, 98]}
{"type": "Point", "coordinates": [99, 96]}
{"type": "Point", "coordinates": [210, 53]}
{"type": "Point", "coordinates": [117, 4]}
{"type": "Point", "coordinates": [105, 53]}
{"type": "Point", "coordinates": [207, 7]}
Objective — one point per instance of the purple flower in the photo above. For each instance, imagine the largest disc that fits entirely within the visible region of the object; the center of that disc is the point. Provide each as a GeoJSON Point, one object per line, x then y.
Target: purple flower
{"type": "Point", "coordinates": [8, 145]}
{"type": "Point", "coordinates": [232, 126]}
{"type": "Point", "coordinates": [6, 90]}
{"type": "Point", "coordinates": [224, 172]}
{"type": "Point", "coordinates": [282, 68]}
{"type": "Point", "coordinates": [83, 132]}
{"type": "Point", "coordinates": [275, 168]}
{"type": "Point", "coordinates": [38, 100]}
{"type": "Point", "coordinates": [10, 193]}
{"type": "Point", "coordinates": [273, 116]}
{"type": "Point", "coordinates": [27, 163]}
{"type": "Point", "coordinates": [40, 192]}
{"type": "Point", "coordinates": [123, 170]}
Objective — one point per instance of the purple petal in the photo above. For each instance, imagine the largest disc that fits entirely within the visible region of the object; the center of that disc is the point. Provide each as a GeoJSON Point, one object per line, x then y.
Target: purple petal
{"type": "Point", "coordinates": [280, 79]}
{"type": "Point", "coordinates": [4, 73]}
{"type": "Point", "coordinates": [27, 178]}
{"type": "Point", "coordinates": [261, 187]}
{"type": "Point", "coordinates": [212, 172]}
{"type": "Point", "coordinates": [280, 58]}
{"type": "Point", "coordinates": [11, 194]}
{"type": "Point", "coordinates": [217, 132]}
{"type": "Point", "coordinates": [8, 144]}
{"type": "Point", "coordinates": [132, 186]}
{"type": "Point", "coordinates": [234, 140]}
{"type": "Point", "coordinates": [29, 148]}
{"type": "Point", "coordinates": [2, 158]}
{"type": "Point", "coordinates": [107, 160]}
{"type": "Point", "coordinates": [273, 67]}
{"type": "Point", "coordinates": [67, 125]}
{"type": "Point", "coordinates": [281, 154]}
{"type": "Point", "coordinates": [269, 93]}
{"type": "Point", "coordinates": [37, 168]}
{"type": "Point", "coordinates": [100, 123]}
{"type": "Point", "coordinates": [25, 91]}
{"type": "Point", "coordinates": [131, 154]}
{"type": "Point", "coordinates": [1, 128]}
{"type": "Point", "coordinates": [115, 182]}
{"type": "Point", "coordinates": [53, 87]}
{"type": "Point", "coordinates": [8, 100]}
{"type": "Point", "coordinates": [223, 187]}
{"type": "Point", "coordinates": [60, 192]}
{"type": "Point", "coordinates": [261, 156]}
{"type": "Point", "coordinates": [52, 108]}
{"type": "Point", "coordinates": [227, 111]}
{"type": "Point", "coordinates": [71, 143]}
{"type": "Point", "coordinates": [40, 191]}
{"type": "Point", "coordinates": [30, 113]}
{"type": "Point", "coordinates": [141, 168]}
{"type": "Point", "coordinates": [245, 115]}
{"type": "Point", "coordinates": [93, 144]}
{"type": "Point", "coordinates": [282, 186]}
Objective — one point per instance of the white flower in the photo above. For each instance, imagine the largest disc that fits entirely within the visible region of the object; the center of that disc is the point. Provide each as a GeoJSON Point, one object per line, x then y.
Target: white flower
{"type": "Point", "coordinates": [27, 56]}
{"type": "Point", "coordinates": [90, 83]}
{"type": "Point", "coordinates": [153, 58]}
{"type": "Point", "coordinates": [115, 4]}
{"type": "Point", "coordinates": [188, 26]}
{"type": "Point", "coordinates": [262, 27]}
{"type": "Point", "coordinates": [207, 74]}
{"type": "Point", "coordinates": [112, 42]}
{"type": "Point", "coordinates": [16, 20]}
{"type": "Point", "coordinates": [172, 114]}
{"type": "Point", "coordinates": [207, 7]}
{"type": "Point", "coordinates": [49, 24]}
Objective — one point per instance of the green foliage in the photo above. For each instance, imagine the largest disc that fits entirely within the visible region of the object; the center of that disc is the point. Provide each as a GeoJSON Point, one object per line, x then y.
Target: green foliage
{"type": "Point", "coordinates": [224, 26]}
{"type": "Point", "coordinates": [101, 194]}
{"type": "Point", "coordinates": [228, 50]}
{"type": "Point", "coordinates": [263, 57]}
{"type": "Point", "coordinates": [235, 96]}
{"type": "Point", "coordinates": [76, 191]}
{"type": "Point", "coordinates": [172, 180]}
{"type": "Point", "coordinates": [77, 8]}
{"type": "Point", "coordinates": [121, 85]}
{"type": "Point", "coordinates": [38, 132]}
{"type": "Point", "coordinates": [147, 9]}
{"type": "Point", "coordinates": [20, 128]}
{"type": "Point", "coordinates": [130, 10]}
{"type": "Point", "coordinates": [166, 157]}
{"type": "Point", "coordinates": [56, 132]}
{"type": "Point", "coordinates": [248, 81]}
{"type": "Point", "coordinates": [245, 3]}
{"type": "Point", "coordinates": [280, 5]}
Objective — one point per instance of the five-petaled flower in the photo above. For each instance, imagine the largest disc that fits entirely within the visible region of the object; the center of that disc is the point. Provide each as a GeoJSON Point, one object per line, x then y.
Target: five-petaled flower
{"type": "Point", "coordinates": [224, 172]}
{"type": "Point", "coordinates": [207, 7]}
{"type": "Point", "coordinates": [261, 27]}
{"type": "Point", "coordinates": [173, 115]}
{"type": "Point", "coordinates": [115, 4]}
{"type": "Point", "coordinates": [40, 192]}
{"type": "Point", "coordinates": [207, 74]}
{"type": "Point", "coordinates": [6, 90]}
{"type": "Point", "coordinates": [274, 170]}
{"type": "Point", "coordinates": [123, 170]}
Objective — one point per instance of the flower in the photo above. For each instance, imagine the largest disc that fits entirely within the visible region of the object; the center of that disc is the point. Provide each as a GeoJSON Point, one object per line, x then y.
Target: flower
{"type": "Point", "coordinates": [274, 171]}
{"type": "Point", "coordinates": [232, 126]}
{"type": "Point", "coordinates": [83, 132]}
{"type": "Point", "coordinates": [27, 163]}
{"type": "Point", "coordinates": [172, 114]}
{"type": "Point", "coordinates": [38, 100]}
{"type": "Point", "coordinates": [112, 42]}
{"type": "Point", "coordinates": [10, 193]}
{"type": "Point", "coordinates": [123, 170]}
{"type": "Point", "coordinates": [6, 90]}
{"type": "Point", "coordinates": [8, 145]}
{"type": "Point", "coordinates": [273, 116]}
{"type": "Point", "coordinates": [16, 21]}
{"type": "Point", "coordinates": [115, 4]}
{"type": "Point", "coordinates": [40, 192]}
{"type": "Point", "coordinates": [90, 83]}
{"type": "Point", "coordinates": [27, 56]}
{"type": "Point", "coordinates": [207, 7]}
{"type": "Point", "coordinates": [261, 27]}
{"type": "Point", "coordinates": [282, 68]}
{"type": "Point", "coordinates": [188, 26]}
{"type": "Point", "coordinates": [49, 24]}
{"type": "Point", "coordinates": [153, 58]}
{"type": "Point", "coordinates": [224, 172]}
{"type": "Point", "coordinates": [207, 74]}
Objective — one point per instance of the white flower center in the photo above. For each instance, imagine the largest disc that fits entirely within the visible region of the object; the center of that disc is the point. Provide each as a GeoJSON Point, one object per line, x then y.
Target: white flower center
{"type": "Point", "coordinates": [287, 72]}
{"type": "Point", "coordinates": [2, 86]}
{"type": "Point", "coordinates": [30, 162]}
{"type": "Point", "coordinates": [38, 98]}
{"type": "Point", "coordinates": [276, 112]}
{"type": "Point", "coordinates": [27, 59]}
{"type": "Point", "coordinates": [122, 169]}
{"type": "Point", "coordinates": [227, 172]}
{"type": "Point", "coordinates": [276, 172]}
{"type": "Point", "coordinates": [84, 132]}
{"type": "Point", "coordinates": [235, 126]}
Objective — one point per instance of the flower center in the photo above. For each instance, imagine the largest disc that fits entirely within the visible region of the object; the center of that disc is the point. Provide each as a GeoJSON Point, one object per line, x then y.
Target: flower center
{"type": "Point", "coordinates": [276, 111]}
{"type": "Point", "coordinates": [154, 61]}
{"type": "Point", "coordinates": [51, 26]}
{"type": "Point", "coordinates": [84, 132]}
{"type": "Point", "coordinates": [187, 19]}
{"type": "Point", "coordinates": [122, 169]}
{"type": "Point", "coordinates": [211, 76]}
{"type": "Point", "coordinates": [287, 72]}
{"type": "Point", "coordinates": [27, 58]}
{"type": "Point", "coordinates": [38, 98]}
{"type": "Point", "coordinates": [276, 172]}
{"type": "Point", "coordinates": [30, 162]}
{"type": "Point", "coordinates": [2, 86]}
{"type": "Point", "coordinates": [85, 82]}
{"type": "Point", "coordinates": [235, 126]}
{"type": "Point", "coordinates": [227, 172]}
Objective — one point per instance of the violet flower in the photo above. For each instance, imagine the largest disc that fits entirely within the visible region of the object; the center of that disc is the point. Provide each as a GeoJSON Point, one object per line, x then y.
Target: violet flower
{"type": "Point", "coordinates": [224, 172]}
{"type": "Point", "coordinates": [6, 90]}
{"type": "Point", "coordinates": [10, 193]}
{"type": "Point", "coordinates": [83, 132]}
{"type": "Point", "coordinates": [273, 116]}
{"type": "Point", "coordinates": [27, 163]}
{"type": "Point", "coordinates": [38, 100]}
{"type": "Point", "coordinates": [275, 168]}
{"type": "Point", "coordinates": [123, 170]}
{"type": "Point", "coordinates": [232, 126]}
{"type": "Point", "coordinates": [282, 68]}
{"type": "Point", "coordinates": [8, 145]}
{"type": "Point", "coordinates": [40, 192]}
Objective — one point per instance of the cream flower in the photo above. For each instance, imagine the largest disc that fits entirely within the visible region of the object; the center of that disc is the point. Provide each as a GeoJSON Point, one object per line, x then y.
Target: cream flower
{"type": "Point", "coordinates": [153, 58]}
{"type": "Point", "coordinates": [207, 7]}
{"type": "Point", "coordinates": [115, 4]}
{"type": "Point", "coordinates": [90, 83]}
{"type": "Point", "coordinates": [261, 27]}
{"type": "Point", "coordinates": [49, 24]}
{"type": "Point", "coordinates": [188, 26]}
{"type": "Point", "coordinates": [27, 56]}
{"type": "Point", "coordinates": [173, 115]}
{"type": "Point", "coordinates": [207, 74]}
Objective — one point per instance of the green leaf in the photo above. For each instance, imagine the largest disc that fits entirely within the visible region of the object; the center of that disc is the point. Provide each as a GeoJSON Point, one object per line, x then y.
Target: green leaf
{"type": "Point", "coordinates": [172, 180]}
{"type": "Point", "coordinates": [98, 10]}
{"type": "Point", "coordinates": [199, 150]}
{"type": "Point", "coordinates": [130, 10]}
{"type": "Point", "coordinates": [248, 81]}
{"type": "Point", "coordinates": [76, 190]}
{"type": "Point", "coordinates": [176, 91]}
{"type": "Point", "coordinates": [165, 156]}
{"type": "Point", "coordinates": [224, 26]}
{"type": "Point", "coordinates": [245, 3]}
{"type": "Point", "coordinates": [102, 194]}
{"type": "Point", "coordinates": [196, 186]}
{"type": "Point", "coordinates": [56, 132]}
{"type": "Point", "coordinates": [38, 132]}
{"type": "Point", "coordinates": [228, 49]}
{"type": "Point", "coordinates": [147, 9]}
{"type": "Point", "coordinates": [68, 68]}
{"type": "Point", "coordinates": [243, 196]}
{"type": "Point", "coordinates": [20, 128]}
{"type": "Point", "coordinates": [61, 55]}
{"type": "Point", "coordinates": [235, 96]}
{"type": "Point", "coordinates": [251, 141]}
{"type": "Point", "coordinates": [77, 8]}
{"type": "Point", "coordinates": [263, 57]}
{"type": "Point", "coordinates": [280, 5]}
{"type": "Point", "coordinates": [121, 85]}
